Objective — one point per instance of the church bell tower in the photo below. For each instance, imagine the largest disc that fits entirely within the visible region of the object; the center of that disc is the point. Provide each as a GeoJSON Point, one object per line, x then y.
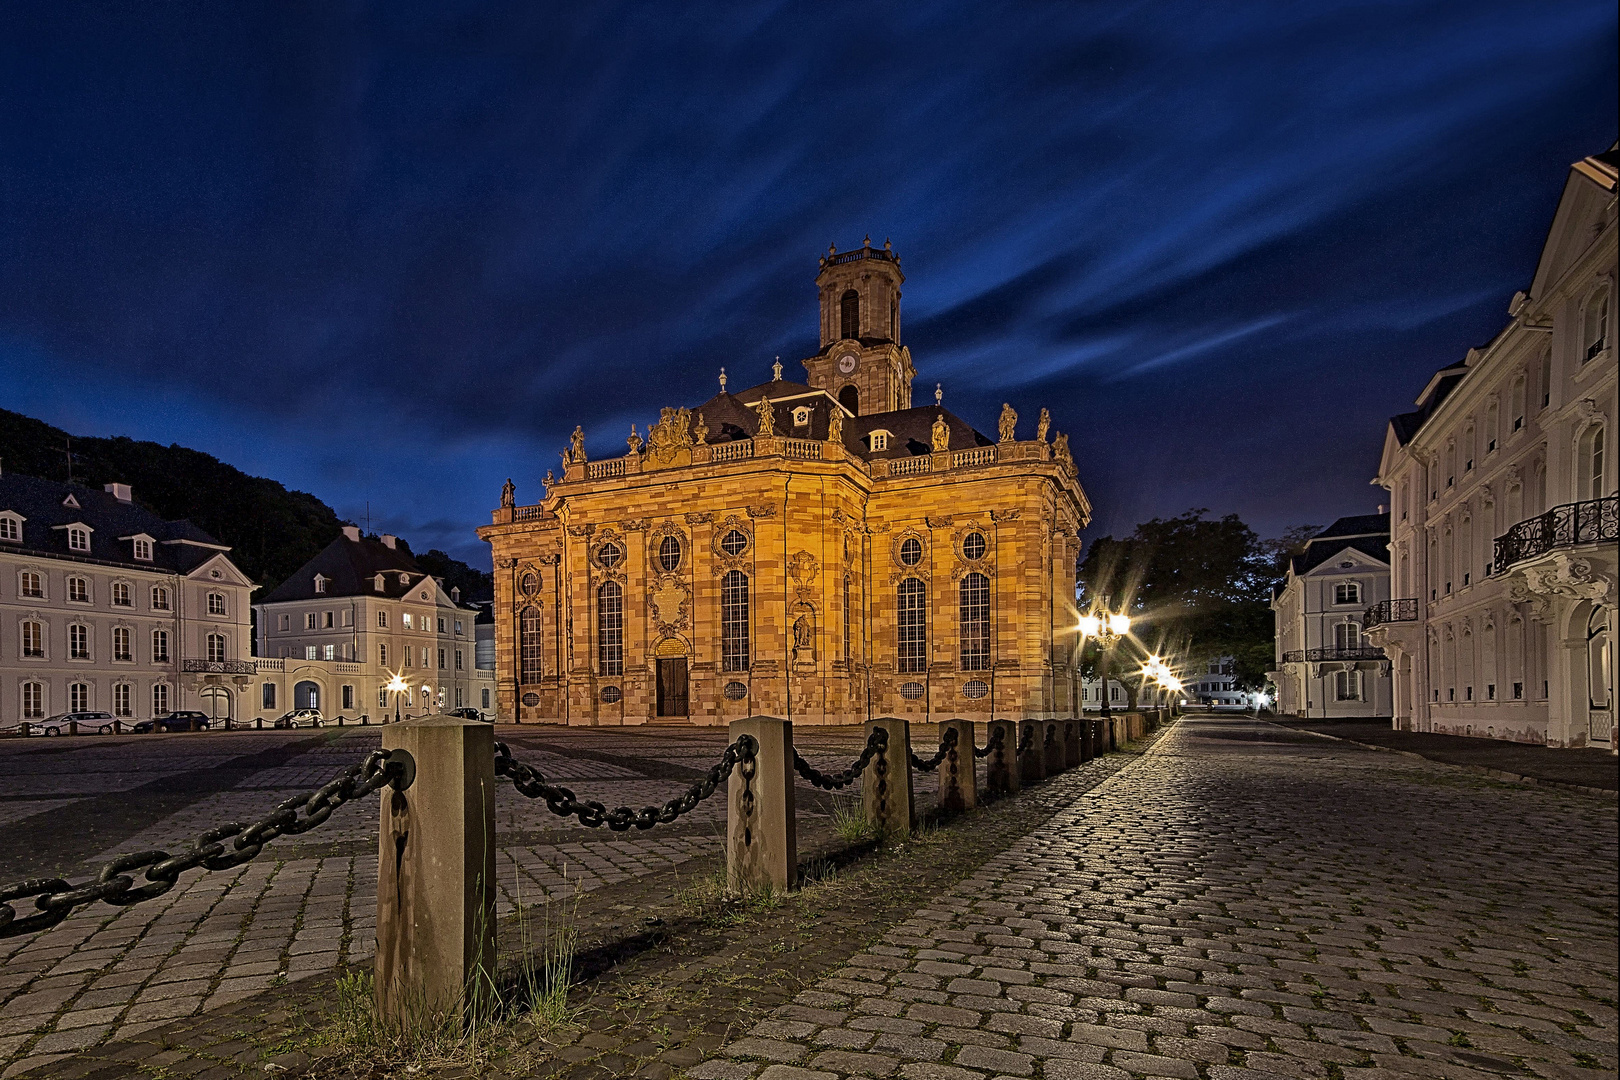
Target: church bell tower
{"type": "Point", "coordinates": [861, 362]}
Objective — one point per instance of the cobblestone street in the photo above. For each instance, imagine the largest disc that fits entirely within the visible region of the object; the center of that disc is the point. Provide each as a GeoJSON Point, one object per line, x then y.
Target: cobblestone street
{"type": "Point", "coordinates": [1243, 902]}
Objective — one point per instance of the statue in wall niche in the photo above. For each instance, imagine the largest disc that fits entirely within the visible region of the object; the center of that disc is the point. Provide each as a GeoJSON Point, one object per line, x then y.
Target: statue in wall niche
{"type": "Point", "coordinates": [508, 493]}
{"type": "Point", "coordinates": [1007, 426]}
{"type": "Point", "coordinates": [835, 424]}
{"type": "Point", "coordinates": [1043, 425]}
{"type": "Point", "coordinates": [700, 431]}
{"type": "Point", "coordinates": [576, 447]}
{"type": "Point", "coordinates": [767, 417]}
{"type": "Point", "coordinates": [634, 441]}
{"type": "Point", "coordinates": [941, 434]}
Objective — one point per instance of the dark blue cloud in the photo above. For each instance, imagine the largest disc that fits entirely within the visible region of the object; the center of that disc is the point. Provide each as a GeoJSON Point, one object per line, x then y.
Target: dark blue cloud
{"type": "Point", "coordinates": [392, 254]}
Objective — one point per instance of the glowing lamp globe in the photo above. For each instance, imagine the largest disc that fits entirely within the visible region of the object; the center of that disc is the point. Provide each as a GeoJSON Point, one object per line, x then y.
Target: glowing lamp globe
{"type": "Point", "coordinates": [1119, 624]}
{"type": "Point", "coordinates": [1090, 625]}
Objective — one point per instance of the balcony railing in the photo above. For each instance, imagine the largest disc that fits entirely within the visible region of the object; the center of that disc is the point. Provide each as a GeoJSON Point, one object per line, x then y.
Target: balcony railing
{"type": "Point", "coordinates": [1312, 656]}
{"type": "Point", "coordinates": [860, 253]}
{"type": "Point", "coordinates": [1590, 522]}
{"type": "Point", "coordinates": [1388, 611]}
{"type": "Point", "coordinates": [218, 667]}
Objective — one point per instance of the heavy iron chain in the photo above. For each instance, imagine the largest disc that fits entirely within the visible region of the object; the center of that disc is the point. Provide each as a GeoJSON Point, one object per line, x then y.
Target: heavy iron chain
{"type": "Point", "coordinates": [564, 803]}
{"type": "Point", "coordinates": [56, 898]}
{"type": "Point", "coordinates": [995, 743]}
{"type": "Point", "coordinates": [876, 742]}
{"type": "Point", "coordinates": [1027, 741]}
{"type": "Point", "coordinates": [946, 743]}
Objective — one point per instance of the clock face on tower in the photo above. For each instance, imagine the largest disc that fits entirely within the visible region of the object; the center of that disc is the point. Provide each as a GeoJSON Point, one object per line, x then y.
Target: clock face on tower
{"type": "Point", "coordinates": [847, 363]}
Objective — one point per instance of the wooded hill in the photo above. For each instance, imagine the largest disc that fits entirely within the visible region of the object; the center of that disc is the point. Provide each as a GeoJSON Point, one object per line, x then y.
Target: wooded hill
{"type": "Point", "coordinates": [271, 531]}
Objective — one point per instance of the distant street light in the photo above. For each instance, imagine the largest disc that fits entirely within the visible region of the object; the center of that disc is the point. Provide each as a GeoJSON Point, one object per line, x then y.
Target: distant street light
{"type": "Point", "coordinates": [397, 685]}
{"type": "Point", "coordinates": [1107, 628]}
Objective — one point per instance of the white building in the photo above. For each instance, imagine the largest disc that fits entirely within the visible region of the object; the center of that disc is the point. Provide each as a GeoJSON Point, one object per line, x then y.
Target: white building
{"type": "Point", "coordinates": [1504, 508]}
{"type": "Point", "coordinates": [108, 607]}
{"type": "Point", "coordinates": [1324, 666]}
{"type": "Point", "coordinates": [334, 634]}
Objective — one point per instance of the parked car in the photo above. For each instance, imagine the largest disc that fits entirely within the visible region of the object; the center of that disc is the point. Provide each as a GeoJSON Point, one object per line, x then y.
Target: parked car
{"type": "Point", "coordinates": [98, 722]}
{"type": "Point", "coordinates": [298, 718]}
{"type": "Point", "coordinates": [180, 720]}
{"type": "Point", "coordinates": [466, 714]}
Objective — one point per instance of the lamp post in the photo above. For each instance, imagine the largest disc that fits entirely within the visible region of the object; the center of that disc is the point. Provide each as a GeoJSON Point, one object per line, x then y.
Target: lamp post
{"type": "Point", "coordinates": [396, 684]}
{"type": "Point", "coordinates": [1107, 627]}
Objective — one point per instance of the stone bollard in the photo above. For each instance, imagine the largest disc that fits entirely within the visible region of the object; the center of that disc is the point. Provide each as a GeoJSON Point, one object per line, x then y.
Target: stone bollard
{"type": "Point", "coordinates": [1052, 747]}
{"type": "Point", "coordinates": [886, 783]}
{"type": "Point", "coordinates": [762, 843]}
{"type": "Point", "coordinates": [436, 874]}
{"type": "Point", "coordinates": [1001, 767]}
{"type": "Point", "coordinates": [1073, 750]}
{"type": "Point", "coordinates": [1032, 754]}
{"type": "Point", "coordinates": [958, 779]}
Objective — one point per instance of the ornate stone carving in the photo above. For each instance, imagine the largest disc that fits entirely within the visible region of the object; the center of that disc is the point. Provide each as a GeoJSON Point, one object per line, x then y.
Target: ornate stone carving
{"type": "Point", "coordinates": [767, 417]}
{"type": "Point", "coordinates": [940, 434]}
{"type": "Point", "coordinates": [1007, 424]}
{"type": "Point", "coordinates": [669, 442]}
{"type": "Point", "coordinates": [835, 424]}
{"type": "Point", "coordinates": [633, 441]}
{"type": "Point", "coordinates": [508, 493]}
{"type": "Point", "coordinates": [1560, 574]}
{"type": "Point", "coordinates": [700, 431]}
{"type": "Point", "coordinates": [1007, 515]}
{"type": "Point", "coordinates": [761, 510]}
{"type": "Point", "coordinates": [803, 567]}
{"type": "Point", "coordinates": [635, 524]}
{"type": "Point", "coordinates": [576, 447]}
{"type": "Point", "coordinates": [581, 530]}
{"type": "Point", "coordinates": [1043, 425]}
{"type": "Point", "coordinates": [670, 607]}
{"type": "Point", "coordinates": [1060, 450]}
{"type": "Point", "coordinates": [939, 522]}
{"type": "Point", "coordinates": [700, 518]}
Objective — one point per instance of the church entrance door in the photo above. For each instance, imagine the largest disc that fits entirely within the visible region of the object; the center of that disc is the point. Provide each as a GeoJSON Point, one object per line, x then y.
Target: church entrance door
{"type": "Point", "coordinates": [672, 687]}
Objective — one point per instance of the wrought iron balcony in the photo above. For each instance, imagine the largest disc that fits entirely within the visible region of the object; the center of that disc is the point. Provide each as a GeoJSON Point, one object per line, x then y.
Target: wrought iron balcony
{"type": "Point", "coordinates": [218, 667]}
{"type": "Point", "coordinates": [1590, 522]}
{"type": "Point", "coordinates": [1388, 611]}
{"type": "Point", "coordinates": [1312, 656]}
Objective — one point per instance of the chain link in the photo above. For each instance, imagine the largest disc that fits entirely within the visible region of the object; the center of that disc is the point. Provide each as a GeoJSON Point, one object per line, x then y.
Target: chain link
{"type": "Point", "coordinates": [115, 884]}
{"type": "Point", "coordinates": [1027, 741]}
{"type": "Point", "coordinates": [876, 742]}
{"type": "Point", "coordinates": [564, 803]}
{"type": "Point", "coordinates": [945, 745]}
{"type": "Point", "coordinates": [995, 742]}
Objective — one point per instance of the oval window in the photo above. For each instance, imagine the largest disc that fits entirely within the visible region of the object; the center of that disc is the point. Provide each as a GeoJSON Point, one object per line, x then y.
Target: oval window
{"type": "Point", "coordinates": [529, 584]}
{"type": "Point", "coordinates": [611, 695]}
{"type": "Point", "coordinates": [911, 691]}
{"type": "Point", "coordinates": [610, 555]}
{"type": "Point", "coordinates": [975, 689]}
{"type": "Point", "coordinates": [734, 542]}
{"type": "Point", "coordinates": [736, 691]}
{"type": "Point", "coordinates": [531, 700]}
{"type": "Point", "coordinates": [669, 554]}
{"type": "Point", "coordinates": [973, 545]}
{"type": "Point", "coordinates": [911, 551]}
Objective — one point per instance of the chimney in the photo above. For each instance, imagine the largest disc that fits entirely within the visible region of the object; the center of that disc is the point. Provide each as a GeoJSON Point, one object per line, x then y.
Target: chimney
{"type": "Point", "coordinates": [120, 492]}
{"type": "Point", "coordinates": [352, 532]}
{"type": "Point", "coordinates": [389, 540]}
{"type": "Point", "coordinates": [1382, 509]}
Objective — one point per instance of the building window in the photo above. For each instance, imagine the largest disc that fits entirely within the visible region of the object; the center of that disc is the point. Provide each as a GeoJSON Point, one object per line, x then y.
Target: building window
{"type": "Point", "coordinates": [216, 603]}
{"type": "Point", "coordinates": [10, 530]}
{"type": "Point", "coordinates": [880, 440]}
{"type": "Point", "coordinates": [78, 539]}
{"type": "Point", "coordinates": [1591, 464]}
{"type": "Point", "coordinates": [408, 656]}
{"type": "Point", "coordinates": [458, 660]}
{"type": "Point", "coordinates": [348, 698]}
{"type": "Point", "coordinates": [382, 697]}
{"type": "Point", "coordinates": [382, 655]}
{"type": "Point", "coordinates": [529, 584]}
{"type": "Point", "coordinates": [610, 627]}
{"type": "Point", "coordinates": [328, 620]}
{"type": "Point", "coordinates": [78, 697]}
{"type": "Point", "coordinates": [328, 652]}
{"type": "Point", "coordinates": [486, 697]}
{"type": "Point", "coordinates": [78, 642]}
{"type": "Point", "coordinates": [408, 621]}
{"type": "Point", "coordinates": [1347, 635]}
{"type": "Point", "coordinates": [143, 549]}
{"type": "Point", "coordinates": [1595, 325]}
{"type": "Point", "coordinates": [160, 698]}
{"type": "Point", "coordinates": [530, 644]}
{"type": "Point", "coordinates": [734, 543]}
{"type": "Point", "coordinates": [1347, 685]}
{"type": "Point", "coordinates": [610, 555]}
{"type": "Point", "coordinates": [424, 659]}
{"type": "Point", "coordinates": [669, 554]}
{"type": "Point", "coordinates": [849, 314]}
{"type": "Point", "coordinates": [973, 546]}
{"type": "Point", "coordinates": [122, 700]}
{"type": "Point", "coordinates": [458, 628]}
{"type": "Point", "coordinates": [1599, 661]}
{"type": "Point", "coordinates": [850, 398]}
{"type": "Point", "coordinates": [33, 639]}
{"type": "Point", "coordinates": [734, 621]}
{"type": "Point", "coordinates": [31, 585]}
{"type": "Point", "coordinates": [382, 619]}
{"type": "Point", "coordinates": [121, 595]}
{"type": "Point", "coordinates": [912, 599]}
{"type": "Point", "coordinates": [309, 620]}
{"type": "Point", "coordinates": [975, 622]}
{"type": "Point", "coordinates": [267, 696]}
{"type": "Point", "coordinates": [33, 701]}
{"type": "Point", "coordinates": [911, 551]}
{"type": "Point", "coordinates": [160, 646]}
{"type": "Point", "coordinates": [379, 584]}
{"type": "Point", "coordinates": [1347, 592]}
{"type": "Point", "coordinates": [320, 584]}
{"type": "Point", "coordinates": [311, 652]}
{"type": "Point", "coordinates": [160, 598]}
{"type": "Point", "coordinates": [78, 590]}
{"type": "Point", "coordinates": [120, 644]}
{"type": "Point", "coordinates": [441, 659]}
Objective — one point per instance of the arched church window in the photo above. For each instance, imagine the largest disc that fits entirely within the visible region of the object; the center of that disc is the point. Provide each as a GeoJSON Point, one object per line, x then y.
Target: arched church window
{"type": "Point", "coordinates": [974, 622]}
{"type": "Point", "coordinates": [850, 398]}
{"type": "Point", "coordinates": [610, 628]}
{"type": "Point", "coordinates": [529, 645]}
{"type": "Point", "coordinates": [849, 314]}
{"type": "Point", "coordinates": [734, 621]}
{"type": "Point", "coordinates": [913, 625]}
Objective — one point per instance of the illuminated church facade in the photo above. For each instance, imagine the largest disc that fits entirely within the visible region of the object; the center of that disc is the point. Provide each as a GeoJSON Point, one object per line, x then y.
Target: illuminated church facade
{"type": "Point", "coordinates": [824, 551]}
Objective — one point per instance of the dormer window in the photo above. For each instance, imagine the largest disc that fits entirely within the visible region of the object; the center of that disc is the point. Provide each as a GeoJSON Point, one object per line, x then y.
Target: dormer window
{"type": "Point", "coordinates": [404, 579]}
{"type": "Point", "coordinates": [879, 440]}
{"type": "Point", "coordinates": [10, 529]}
{"type": "Point", "coordinates": [78, 538]}
{"type": "Point", "coordinates": [143, 549]}
{"type": "Point", "coordinates": [801, 416]}
{"type": "Point", "coordinates": [320, 584]}
{"type": "Point", "coordinates": [379, 584]}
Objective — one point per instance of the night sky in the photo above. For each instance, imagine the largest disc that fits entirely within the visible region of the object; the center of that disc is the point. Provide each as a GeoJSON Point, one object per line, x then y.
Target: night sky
{"type": "Point", "coordinates": [394, 253]}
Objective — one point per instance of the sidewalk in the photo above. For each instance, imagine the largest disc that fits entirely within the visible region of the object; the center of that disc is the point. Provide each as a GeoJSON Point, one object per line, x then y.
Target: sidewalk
{"type": "Point", "coordinates": [1597, 769]}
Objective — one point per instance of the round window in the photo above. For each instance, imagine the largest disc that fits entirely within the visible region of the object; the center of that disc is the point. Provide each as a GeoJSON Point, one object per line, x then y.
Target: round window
{"type": "Point", "coordinates": [531, 700]}
{"type": "Point", "coordinates": [529, 584]}
{"type": "Point", "coordinates": [610, 555]}
{"type": "Point", "coordinates": [611, 695]}
{"type": "Point", "coordinates": [734, 542]}
{"type": "Point", "coordinates": [911, 551]}
{"type": "Point", "coordinates": [669, 554]}
{"type": "Point", "coordinates": [975, 689]}
{"type": "Point", "coordinates": [736, 691]}
{"type": "Point", "coordinates": [973, 545]}
{"type": "Point", "coordinates": [911, 691]}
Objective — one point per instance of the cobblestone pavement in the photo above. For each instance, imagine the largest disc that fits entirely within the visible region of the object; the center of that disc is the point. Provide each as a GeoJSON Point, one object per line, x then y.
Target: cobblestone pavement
{"type": "Point", "coordinates": [1243, 902]}
{"type": "Point", "coordinates": [307, 905]}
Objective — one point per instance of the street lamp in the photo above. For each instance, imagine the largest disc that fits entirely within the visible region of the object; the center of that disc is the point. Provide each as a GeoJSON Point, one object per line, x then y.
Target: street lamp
{"type": "Point", "coordinates": [1107, 627]}
{"type": "Point", "coordinates": [396, 684]}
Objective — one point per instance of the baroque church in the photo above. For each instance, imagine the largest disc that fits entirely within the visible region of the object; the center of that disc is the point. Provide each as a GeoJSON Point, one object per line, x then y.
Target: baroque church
{"type": "Point", "coordinates": [824, 551]}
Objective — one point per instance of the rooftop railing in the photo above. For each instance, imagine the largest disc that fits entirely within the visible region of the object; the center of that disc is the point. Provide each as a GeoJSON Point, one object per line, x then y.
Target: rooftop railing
{"type": "Point", "coordinates": [1590, 522]}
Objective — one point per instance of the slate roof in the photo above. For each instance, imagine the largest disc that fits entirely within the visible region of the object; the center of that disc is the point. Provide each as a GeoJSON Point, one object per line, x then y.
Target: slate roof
{"type": "Point", "coordinates": [350, 568]}
{"type": "Point", "coordinates": [180, 547]}
{"type": "Point", "coordinates": [1407, 425]}
{"type": "Point", "coordinates": [732, 416]}
{"type": "Point", "coordinates": [1367, 533]}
